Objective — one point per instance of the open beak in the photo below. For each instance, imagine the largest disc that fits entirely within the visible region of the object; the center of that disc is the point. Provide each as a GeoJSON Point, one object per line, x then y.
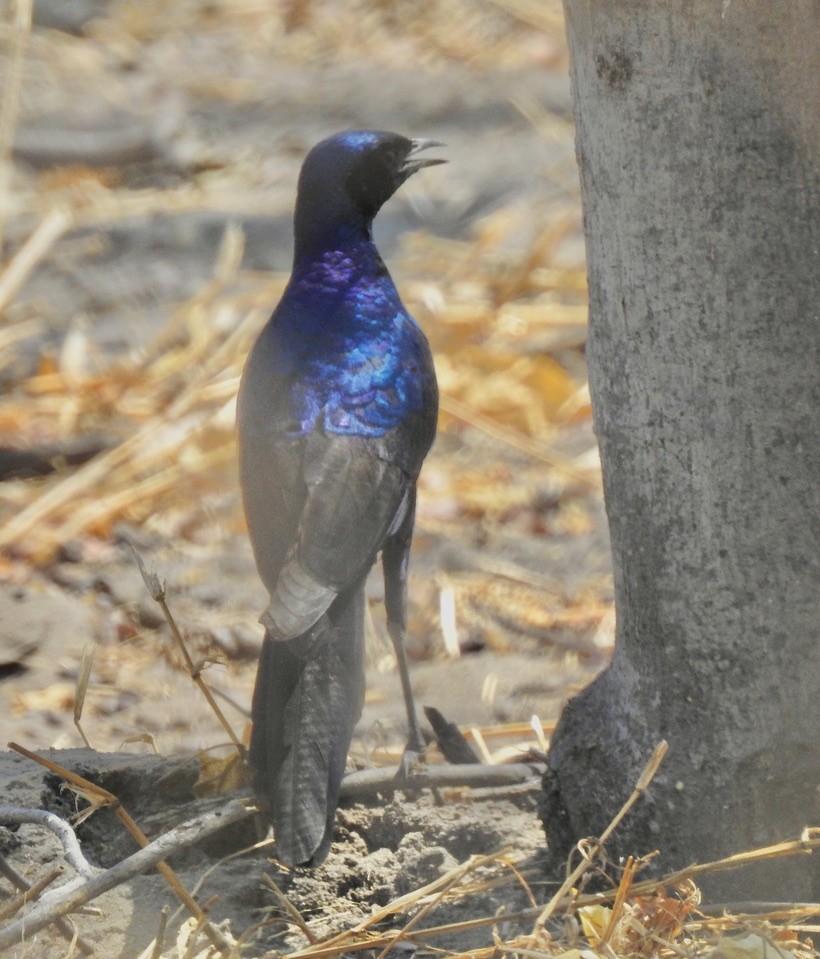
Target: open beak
{"type": "Point", "coordinates": [412, 162]}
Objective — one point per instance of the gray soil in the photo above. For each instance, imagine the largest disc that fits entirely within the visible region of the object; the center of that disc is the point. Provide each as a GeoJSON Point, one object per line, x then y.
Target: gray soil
{"type": "Point", "coordinates": [382, 851]}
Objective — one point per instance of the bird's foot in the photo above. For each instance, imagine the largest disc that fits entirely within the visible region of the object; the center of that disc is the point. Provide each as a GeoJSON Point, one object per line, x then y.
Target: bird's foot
{"type": "Point", "coordinates": [411, 760]}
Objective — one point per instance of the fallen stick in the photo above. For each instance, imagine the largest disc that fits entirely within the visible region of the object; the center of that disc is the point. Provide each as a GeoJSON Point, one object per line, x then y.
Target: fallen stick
{"type": "Point", "coordinates": [7, 910]}
{"type": "Point", "coordinates": [64, 926]}
{"type": "Point", "coordinates": [98, 796]}
{"type": "Point", "coordinates": [368, 782]}
{"type": "Point", "coordinates": [72, 895]}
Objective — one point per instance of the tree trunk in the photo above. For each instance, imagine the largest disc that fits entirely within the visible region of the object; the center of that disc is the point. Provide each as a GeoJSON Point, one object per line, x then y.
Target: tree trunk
{"type": "Point", "coordinates": [698, 143]}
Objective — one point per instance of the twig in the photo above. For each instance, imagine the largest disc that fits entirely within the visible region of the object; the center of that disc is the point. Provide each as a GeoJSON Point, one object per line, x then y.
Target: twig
{"type": "Point", "coordinates": [242, 710]}
{"type": "Point", "coordinates": [64, 926]}
{"type": "Point", "coordinates": [157, 591]}
{"type": "Point", "coordinates": [17, 903]}
{"type": "Point", "coordinates": [370, 782]}
{"type": "Point", "coordinates": [645, 779]}
{"type": "Point", "coordinates": [102, 797]}
{"type": "Point", "coordinates": [67, 899]}
{"type": "Point", "coordinates": [15, 815]}
{"type": "Point", "coordinates": [641, 786]}
{"type": "Point", "coordinates": [159, 940]}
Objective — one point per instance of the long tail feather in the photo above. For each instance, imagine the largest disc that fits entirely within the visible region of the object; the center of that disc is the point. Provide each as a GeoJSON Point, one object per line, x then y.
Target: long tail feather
{"type": "Point", "coordinates": [308, 697]}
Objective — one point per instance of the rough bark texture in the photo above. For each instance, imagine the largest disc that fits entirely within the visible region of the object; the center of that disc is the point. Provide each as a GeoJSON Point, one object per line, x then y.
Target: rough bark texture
{"type": "Point", "coordinates": [698, 142]}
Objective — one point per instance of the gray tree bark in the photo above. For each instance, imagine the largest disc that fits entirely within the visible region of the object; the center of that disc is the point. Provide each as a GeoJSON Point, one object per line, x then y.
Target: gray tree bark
{"type": "Point", "coordinates": [698, 141]}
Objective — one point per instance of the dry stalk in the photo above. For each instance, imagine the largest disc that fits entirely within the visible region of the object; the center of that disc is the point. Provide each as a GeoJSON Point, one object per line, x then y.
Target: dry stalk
{"type": "Point", "coordinates": [9, 335]}
{"type": "Point", "coordinates": [521, 881]}
{"type": "Point", "coordinates": [290, 909]}
{"type": "Point", "coordinates": [64, 926]}
{"type": "Point", "coordinates": [195, 890]}
{"type": "Point", "coordinates": [517, 282]}
{"type": "Point", "coordinates": [149, 444]}
{"type": "Point", "coordinates": [360, 937]}
{"type": "Point", "coordinates": [12, 907]}
{"type": "Point", "coordinates": [159, 939]}
{"type": "Point", "coordinates": [808, 842]}
{"type": "Point", "coordinates": [546, 17]}
{"type": "Point", "coordinates": [21, 28]}
{"type": "Point", "coordinates": [645, 779]}
{"type": "Point", "coordinates": [621, 893]}
{"type": "Point", "coordinates": [157, 591]}
{"type": "Point", "coordinates": [640, 928]}
{"type": "Point", "coordinates": [481, 745]}
{"type": "Point", "coordinates": [718, 912]}
{"type": "Point", "coordinates": [82, 687]}
{"type": "Point", "coordinates": [97, 511]}
{"type": "Point", "coordinates": [519, 441]}
{"type": "Point", "coordinates": [456, 876]}
{"type": "Point", "coordinates": [77, 484]}
{"type": "Point", "coordinates": [49, 230]}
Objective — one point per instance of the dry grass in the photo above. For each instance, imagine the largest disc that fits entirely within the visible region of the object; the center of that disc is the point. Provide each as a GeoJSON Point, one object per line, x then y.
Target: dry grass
{"type": "Point", "coordinates": [507, 331]}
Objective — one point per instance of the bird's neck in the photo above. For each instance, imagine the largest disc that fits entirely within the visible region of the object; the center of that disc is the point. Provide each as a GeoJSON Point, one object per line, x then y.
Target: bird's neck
{"type": "Point", "coordinates": [318, 231]}
{"type": "Point", "coordinates": [335, 254]}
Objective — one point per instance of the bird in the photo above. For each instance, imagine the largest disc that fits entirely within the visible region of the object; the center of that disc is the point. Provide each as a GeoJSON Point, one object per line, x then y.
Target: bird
{"type": "Point", "coordinates": [336, 412]}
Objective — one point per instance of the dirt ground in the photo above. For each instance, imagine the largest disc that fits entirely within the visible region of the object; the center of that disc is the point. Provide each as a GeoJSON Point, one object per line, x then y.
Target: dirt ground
{"type": "Point", "coordinates": [198, 118]}
{"type": "Point", "coordinates": [383, 851]}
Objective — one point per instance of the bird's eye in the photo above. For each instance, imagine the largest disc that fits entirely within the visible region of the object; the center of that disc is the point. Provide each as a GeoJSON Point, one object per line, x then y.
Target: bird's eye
{"type": "Point", "coordinates": [390, 156]}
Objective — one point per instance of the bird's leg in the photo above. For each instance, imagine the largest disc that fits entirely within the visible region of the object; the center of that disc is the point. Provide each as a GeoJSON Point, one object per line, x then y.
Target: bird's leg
{"type": "Point", "coordinates": [395, 556]}
{"type": "Point", "coordinates": [414, 749]}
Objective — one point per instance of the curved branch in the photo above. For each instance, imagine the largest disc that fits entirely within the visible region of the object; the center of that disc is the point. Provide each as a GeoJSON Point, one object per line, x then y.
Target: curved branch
{"type": "Point", "coordinates": [67, 898]}
{"type": "Point", "coordinates": [17, 815]}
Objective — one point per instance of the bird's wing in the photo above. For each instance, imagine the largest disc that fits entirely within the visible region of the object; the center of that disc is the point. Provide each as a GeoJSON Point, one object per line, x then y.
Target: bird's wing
{"type": "Point", "coordinates": [353, 500]}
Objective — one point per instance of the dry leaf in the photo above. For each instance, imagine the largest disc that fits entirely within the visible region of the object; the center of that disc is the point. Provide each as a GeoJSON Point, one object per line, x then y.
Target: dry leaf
{"type": "Point", "coordinates": [594, 921]}
{"type": "Point", "coordinates": [219, 775]}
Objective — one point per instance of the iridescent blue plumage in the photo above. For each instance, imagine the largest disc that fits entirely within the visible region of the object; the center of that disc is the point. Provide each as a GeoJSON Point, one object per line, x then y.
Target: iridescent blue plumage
{"type": "Point", "coordinates": [337, 410]}
{"type": "Point", "coordinates": [351, 354]}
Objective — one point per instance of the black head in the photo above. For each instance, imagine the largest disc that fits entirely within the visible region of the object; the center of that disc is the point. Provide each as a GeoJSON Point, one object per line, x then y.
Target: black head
{"type": "Point", "coordinates": [346, 178]}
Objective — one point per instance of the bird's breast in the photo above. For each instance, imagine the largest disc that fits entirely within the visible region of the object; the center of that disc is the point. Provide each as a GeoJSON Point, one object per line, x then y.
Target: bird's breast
{"type": "Point", "coordinates": [357, 378]}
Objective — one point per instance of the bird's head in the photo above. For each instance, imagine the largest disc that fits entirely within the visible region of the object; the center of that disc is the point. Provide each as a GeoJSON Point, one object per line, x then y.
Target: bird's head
{"type": "Point", "coordinates": [346, 178]}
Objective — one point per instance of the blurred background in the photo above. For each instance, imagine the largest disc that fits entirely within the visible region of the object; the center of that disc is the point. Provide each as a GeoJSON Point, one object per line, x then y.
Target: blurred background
{"type": "Point", "coordinates": [148, 162]}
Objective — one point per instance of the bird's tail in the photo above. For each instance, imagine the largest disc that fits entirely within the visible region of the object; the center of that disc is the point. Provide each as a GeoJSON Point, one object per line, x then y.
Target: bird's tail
{"type": "Point", "coordinates": [308, 697]}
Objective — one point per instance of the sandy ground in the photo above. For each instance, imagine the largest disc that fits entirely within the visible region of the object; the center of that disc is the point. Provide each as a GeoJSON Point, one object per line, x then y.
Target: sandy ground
{"type": "Point", "coordinates": [383, 851]}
